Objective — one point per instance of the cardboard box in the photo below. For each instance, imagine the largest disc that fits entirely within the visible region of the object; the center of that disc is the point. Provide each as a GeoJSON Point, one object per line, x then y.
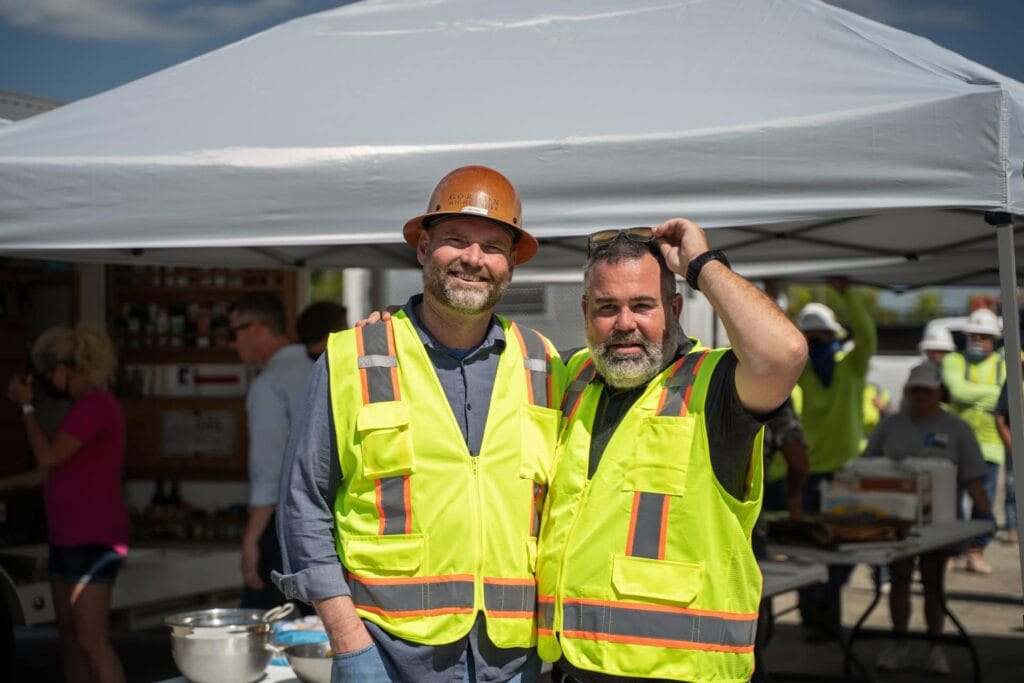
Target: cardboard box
{"type": "Point", "coordinates": [882, 485]}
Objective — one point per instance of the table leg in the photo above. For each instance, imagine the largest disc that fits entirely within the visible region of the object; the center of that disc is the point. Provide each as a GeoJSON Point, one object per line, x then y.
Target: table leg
{"type": "Point", "coordinates": [968, 643]}
{"type": "Point", "coordinates": [849, 657]}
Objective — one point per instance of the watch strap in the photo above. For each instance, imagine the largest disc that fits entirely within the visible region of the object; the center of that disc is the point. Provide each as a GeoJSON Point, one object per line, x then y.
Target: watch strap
{"type": "Point", "coordinates": [698, 263]}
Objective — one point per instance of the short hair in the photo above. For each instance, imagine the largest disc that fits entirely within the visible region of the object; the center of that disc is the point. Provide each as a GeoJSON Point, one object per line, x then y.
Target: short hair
{"type": "Point", "coordinates": [262, 306]}
{"type": "Point", "coordinates": [320, 319]}
{"type": "Point", "coordinates": [624, 249]}
{"type": "Point", "coordinates": [86, 349]}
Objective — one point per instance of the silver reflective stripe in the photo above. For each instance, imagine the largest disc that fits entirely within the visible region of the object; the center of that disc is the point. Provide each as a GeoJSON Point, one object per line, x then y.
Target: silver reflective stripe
{"type": "Point", "coordinates": [392, 505]}
{"type": "Point", "coordinates": [377, 362]}
{"type": "Point", "coordinates": [647, 525]}
{"type": "Point", "coordinates": [546, 615]}
{"type": "Point", "coordinates": [676, 397]}
{"type": "Point", "coordinates": [379, 385]}
{"type": "Point", "coordinates": [500, 597]}
{"type": "Point", "coordinates": [415, 596]}
{"type": "Point", "coordinates": [677, 626]}
{"type": "Point", "coordinates": [537, 364]}
{"type": "Point", "coordinates": [576, 388]}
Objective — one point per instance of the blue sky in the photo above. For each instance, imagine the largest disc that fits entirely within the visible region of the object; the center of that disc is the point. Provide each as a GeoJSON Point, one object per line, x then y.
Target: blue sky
{"type": "Point", "coordinates": [69, 49]}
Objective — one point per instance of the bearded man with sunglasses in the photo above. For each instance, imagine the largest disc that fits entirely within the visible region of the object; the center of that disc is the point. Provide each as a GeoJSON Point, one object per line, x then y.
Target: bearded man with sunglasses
{"type": "Point", "coordinates": [258, 333]}
{"type": "Point", "coordinates": [646, 568]}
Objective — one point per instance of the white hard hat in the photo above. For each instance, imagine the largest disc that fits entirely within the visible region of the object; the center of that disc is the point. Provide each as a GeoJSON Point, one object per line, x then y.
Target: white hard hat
{"type": "Point", "coordinates": [815, 317]}
{"type": "Point", "coordinates": [983, 321]}
{"type": "Point", "coordinates": [936, 338]}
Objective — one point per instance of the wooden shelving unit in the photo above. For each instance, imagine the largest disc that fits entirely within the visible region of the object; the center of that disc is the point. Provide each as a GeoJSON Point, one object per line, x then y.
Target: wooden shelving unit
{"type": "Point", "coordinates": [160, 316]}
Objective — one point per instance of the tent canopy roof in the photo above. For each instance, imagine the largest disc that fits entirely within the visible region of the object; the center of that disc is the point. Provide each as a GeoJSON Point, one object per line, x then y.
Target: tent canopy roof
{"type": "Point", "coordinates": [312, 142]}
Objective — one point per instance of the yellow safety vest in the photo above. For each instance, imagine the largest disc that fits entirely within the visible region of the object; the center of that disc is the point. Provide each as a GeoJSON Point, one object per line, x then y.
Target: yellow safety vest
{"type": "Point", "coordinates": [646, 569]}
{"type": "Point", "coordinates": [978, 413]}
{"type": "Point", "coordinates": [430, 535]}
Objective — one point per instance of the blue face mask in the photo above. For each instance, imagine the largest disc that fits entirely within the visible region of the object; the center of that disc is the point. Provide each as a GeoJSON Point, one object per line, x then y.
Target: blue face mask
{"type": "Point", "coordinates": [822, 355]}
{"type": "Point", "coordinates": [976, 352]}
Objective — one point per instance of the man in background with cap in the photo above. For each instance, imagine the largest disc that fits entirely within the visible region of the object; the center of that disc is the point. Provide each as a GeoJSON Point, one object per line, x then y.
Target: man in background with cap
{"type": "Point", "coordinates": [974, 379]}
{"type": "Point", "coordinates": [414, 480]}
{"type": "Point", "coordinates": [832, 384]}
{"type": "Point", "coordinates": [924, 430]}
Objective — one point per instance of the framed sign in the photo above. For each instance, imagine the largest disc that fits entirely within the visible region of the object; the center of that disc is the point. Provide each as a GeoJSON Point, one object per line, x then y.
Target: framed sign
{"type": "Point", "coordinates": [190, 433]}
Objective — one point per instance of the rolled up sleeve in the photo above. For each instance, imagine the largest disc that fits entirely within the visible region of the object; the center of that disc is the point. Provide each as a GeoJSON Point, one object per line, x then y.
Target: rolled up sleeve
{"type": "Point", "coordinates": [310, 479]}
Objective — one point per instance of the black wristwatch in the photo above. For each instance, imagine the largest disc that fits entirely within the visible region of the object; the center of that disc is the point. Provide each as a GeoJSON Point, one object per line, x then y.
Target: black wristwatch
{"type": "Point", "coordinates": [693, 270]}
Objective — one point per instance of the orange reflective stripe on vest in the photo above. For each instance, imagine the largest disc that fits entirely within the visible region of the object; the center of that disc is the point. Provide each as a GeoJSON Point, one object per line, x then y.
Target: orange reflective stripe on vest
{"type": "Point", "coordinates": [412, 597]}
{"type": "Point", "coordinates": [574, 392]}
{"type": "Point", "coordinates": [510, 598]}
{"type": "Point", "coordinates": [537, 362]}
{"type": "Point", "coordinates": [408, 597]}
{"type": "Point", "coordinates": [675, 397]}
{"type": "Point", "coordinates": [378, 365]}
{"type": "Point", "coordinates": [658, 625]}
{"type": "Point", "coordinates": [648, 522]}
{"type": "Point", "coordinates": [378, 368]}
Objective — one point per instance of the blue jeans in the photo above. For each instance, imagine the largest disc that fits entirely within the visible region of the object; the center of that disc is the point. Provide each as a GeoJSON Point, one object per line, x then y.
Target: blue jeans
{"type": "Point", "coordinates": [530, 673]}
{"type": "Point", "coordinates": [361, 665]}
{"type": "Point", "coordinates": [988, 482]}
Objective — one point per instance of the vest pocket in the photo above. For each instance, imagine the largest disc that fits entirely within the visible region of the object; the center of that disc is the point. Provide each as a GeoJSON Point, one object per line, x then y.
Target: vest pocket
{"type": "Point", "coordinates": [399, 554]}
{"type": "Point", "coordinates": [658, 580]}
{"type": "Point", "coordinates": [537, 448]}
{"type": "Point", "coordinates": [661, 455]}
{"type": "Point", "coordinates": [385, 439]}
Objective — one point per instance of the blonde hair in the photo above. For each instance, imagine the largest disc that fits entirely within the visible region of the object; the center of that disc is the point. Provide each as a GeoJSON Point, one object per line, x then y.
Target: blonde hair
{"type": "Point", "coordinates": [86, 349]}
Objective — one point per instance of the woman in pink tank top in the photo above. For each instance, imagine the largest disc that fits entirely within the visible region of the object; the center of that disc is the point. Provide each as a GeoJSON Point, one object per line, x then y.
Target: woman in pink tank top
{"type": "Point", "coordinates": [85, 508]}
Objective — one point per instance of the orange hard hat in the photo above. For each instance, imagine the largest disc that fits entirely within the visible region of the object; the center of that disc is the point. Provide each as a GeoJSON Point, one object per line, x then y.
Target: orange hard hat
{"type": "Point", "coordinates": [476, 191]}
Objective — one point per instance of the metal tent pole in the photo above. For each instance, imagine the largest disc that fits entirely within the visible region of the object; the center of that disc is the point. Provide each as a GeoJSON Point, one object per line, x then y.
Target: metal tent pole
{"type": "Point", "coordinates": [1011, 347]}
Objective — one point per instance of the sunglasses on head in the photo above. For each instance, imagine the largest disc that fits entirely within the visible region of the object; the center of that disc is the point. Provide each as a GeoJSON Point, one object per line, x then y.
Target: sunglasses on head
{"type": "Point", "coordinates": [603, 237]}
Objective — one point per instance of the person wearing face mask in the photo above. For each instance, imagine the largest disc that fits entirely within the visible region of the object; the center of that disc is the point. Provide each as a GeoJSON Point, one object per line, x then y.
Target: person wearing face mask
{"type": "Point", "coordinates": [833, 385]}
{"type": "Point", "coordinates": [974, 378]}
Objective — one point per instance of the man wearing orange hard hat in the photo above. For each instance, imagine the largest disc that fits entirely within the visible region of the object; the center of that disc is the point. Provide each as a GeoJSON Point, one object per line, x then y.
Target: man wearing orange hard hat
{"type": "Point", "coordinates": [413, 482]}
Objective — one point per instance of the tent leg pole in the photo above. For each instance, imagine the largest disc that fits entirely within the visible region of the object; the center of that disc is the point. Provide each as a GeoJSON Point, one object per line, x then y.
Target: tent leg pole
{"type": "Point", "coordinates": [1011, 341]}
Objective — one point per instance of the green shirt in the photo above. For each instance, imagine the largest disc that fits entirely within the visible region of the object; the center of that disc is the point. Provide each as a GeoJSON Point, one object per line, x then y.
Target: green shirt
{"type": "Point", "coordinates": [833, 416]}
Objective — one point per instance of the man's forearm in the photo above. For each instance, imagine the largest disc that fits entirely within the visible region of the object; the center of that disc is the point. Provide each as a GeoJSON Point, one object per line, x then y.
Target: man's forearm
{"type": "Point", "coordinates": [259, 517]}
{"type": "Point", "coordinates": [770, 349]}
{"type": "Point", "coordinates": [1004, 431]}
{"type": "Point", "coordinates": [344, 627]}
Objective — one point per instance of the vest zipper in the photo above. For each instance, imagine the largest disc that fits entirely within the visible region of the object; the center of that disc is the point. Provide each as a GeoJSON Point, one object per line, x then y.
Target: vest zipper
{"type": "Point", "coordinates": [559, 588]}
{"type": "Point", "coordinates": [478, 516]}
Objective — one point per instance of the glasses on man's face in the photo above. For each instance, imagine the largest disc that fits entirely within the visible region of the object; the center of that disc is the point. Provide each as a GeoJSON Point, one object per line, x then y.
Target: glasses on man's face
{"type": "Point", "coordinates": [233, 331]}
{"type": "Point", "coordinates": [602, 237]}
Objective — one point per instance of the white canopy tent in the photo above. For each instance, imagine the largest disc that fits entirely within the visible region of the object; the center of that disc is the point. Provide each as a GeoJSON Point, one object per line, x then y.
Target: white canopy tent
{"type": "Point", "coordinates": [792, 130]}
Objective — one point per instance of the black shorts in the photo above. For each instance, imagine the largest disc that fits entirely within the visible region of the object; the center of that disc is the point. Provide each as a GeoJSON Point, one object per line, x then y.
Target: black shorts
{"type": "Point", "coordinates": [91, 563]}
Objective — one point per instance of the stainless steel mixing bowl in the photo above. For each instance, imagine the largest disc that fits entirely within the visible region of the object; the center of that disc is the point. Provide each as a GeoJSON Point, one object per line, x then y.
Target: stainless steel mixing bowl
{"type": "Point", "coordinates": [311, 662]}
{"type": "Point", "coordinates": [220, 645]}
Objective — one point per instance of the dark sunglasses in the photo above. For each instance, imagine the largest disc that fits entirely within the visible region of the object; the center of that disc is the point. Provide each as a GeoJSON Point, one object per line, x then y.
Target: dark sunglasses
{"type": "Point", "coordinates": [603, 237]}
{"type": "Point", "coordinates": [233, 331]}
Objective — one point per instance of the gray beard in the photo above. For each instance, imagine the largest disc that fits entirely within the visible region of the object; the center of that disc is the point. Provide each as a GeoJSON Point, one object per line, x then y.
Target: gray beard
{"type": "Point", "coordinates": [468, 300]}
{"type": "Point", "coordinates": [628, 372]}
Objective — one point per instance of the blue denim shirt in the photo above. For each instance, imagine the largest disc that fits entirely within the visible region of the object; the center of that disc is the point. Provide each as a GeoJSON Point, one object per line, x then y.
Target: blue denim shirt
{"type": "Point", "coordinates": [310, 481]}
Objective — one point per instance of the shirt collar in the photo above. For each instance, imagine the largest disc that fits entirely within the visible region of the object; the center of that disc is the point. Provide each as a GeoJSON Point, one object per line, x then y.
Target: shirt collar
{"type": "Point", "coordinates": [495, 336]}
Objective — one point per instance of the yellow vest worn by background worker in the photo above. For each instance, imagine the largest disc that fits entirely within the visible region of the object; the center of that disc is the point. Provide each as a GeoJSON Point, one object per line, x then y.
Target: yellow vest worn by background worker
{"type": "Point", "coordinates": [974, 390]}
{"type": "Point", "coordinates": [428, 534]}
{"type": "Point", "coordinates": [647, 569]}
